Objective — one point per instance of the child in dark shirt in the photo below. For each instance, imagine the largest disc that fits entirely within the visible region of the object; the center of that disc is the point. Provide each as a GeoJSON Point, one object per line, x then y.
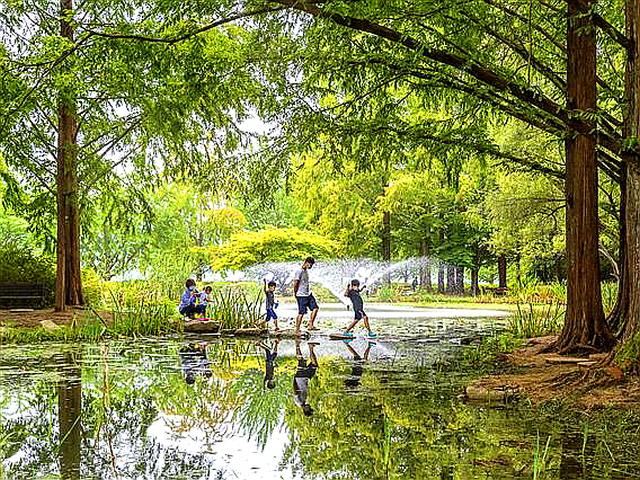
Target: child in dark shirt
{"type": "Point", "coordinates": [353, 292]}
{"type": "Point", "coordinates": [271, 304]}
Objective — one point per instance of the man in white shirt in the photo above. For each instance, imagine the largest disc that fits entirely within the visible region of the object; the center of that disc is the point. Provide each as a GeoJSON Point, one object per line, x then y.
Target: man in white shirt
{"type": "Point", "coordinates": [304, 297]}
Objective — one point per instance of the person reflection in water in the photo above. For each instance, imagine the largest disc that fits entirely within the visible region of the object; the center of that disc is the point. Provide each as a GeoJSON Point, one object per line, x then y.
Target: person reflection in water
{"type": "Point", "coordinates": [193, 358]}
{"type": "Point", "coordinates": [353, 381]}
{"type": "Point", "coordinates": [304, 373]}
{"type": "Point", "coordinates": [270, 355]}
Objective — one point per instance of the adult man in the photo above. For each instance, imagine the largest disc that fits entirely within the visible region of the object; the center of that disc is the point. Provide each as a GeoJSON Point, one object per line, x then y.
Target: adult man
{"type": "Point", "coordinates": [306, 300]}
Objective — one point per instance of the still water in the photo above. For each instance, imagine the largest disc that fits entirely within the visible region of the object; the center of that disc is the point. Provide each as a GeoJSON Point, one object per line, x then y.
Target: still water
{"type": "Point", "coordinates": [212, 408]}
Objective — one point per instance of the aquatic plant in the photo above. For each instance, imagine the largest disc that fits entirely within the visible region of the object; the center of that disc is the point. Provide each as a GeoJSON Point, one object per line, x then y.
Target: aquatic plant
{"type": "Point", "coordinates": [235, 308]}
{"type": "Point", "coordinates": [535, 321]}
{"type": "Point", "coordinates": [540, 457]}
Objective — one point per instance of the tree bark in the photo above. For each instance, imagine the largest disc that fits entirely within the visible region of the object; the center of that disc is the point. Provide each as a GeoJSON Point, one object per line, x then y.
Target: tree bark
{"type": "Point", "coordinates": [386, 242]}
{"type": "Point", "coordinates": [629, 288]}
{"type": "Point", "coordinates": [585, 325]}
{"type": "Point", "coordinates": [502, 271]}
{"type": "Point", "coordinates": [68, 270]}
{"type": "Point", "coordinates": [451, 279]}
{"type": "Point", "coordinates": [460, 280]}
{"type": "Point", "coordinates": [425, 266]}
{"type": "Point", "coordinates": [441, 288]}
{"type": "Point", "coordinates": [475, 284]}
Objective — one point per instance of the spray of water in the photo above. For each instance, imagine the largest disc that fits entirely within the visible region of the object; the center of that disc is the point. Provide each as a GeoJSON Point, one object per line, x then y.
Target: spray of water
{"type": "Point", "coordinates": [334, 275]}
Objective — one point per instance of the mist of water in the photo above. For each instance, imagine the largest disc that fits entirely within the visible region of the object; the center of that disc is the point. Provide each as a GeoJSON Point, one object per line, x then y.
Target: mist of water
{"type": "Point", "coordinates": [335, 275]}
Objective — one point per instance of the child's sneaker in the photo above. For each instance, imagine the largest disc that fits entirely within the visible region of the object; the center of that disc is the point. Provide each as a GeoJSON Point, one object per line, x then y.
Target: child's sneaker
{"type": "Point", "coordinates": [347, 334]}
{"type": "Point", "coordinates": [372, 335]}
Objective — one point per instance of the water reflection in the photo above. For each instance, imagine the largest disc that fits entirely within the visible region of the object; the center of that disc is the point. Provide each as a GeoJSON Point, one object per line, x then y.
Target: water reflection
{"type": "Point", "coordinates": [379, 411]}
{"type": "Point", "coordinates": [305, 371]}
{"type": "Point", "coordinates": [69, 414]}
{"type": "Point", "coordinates": [193, 358]}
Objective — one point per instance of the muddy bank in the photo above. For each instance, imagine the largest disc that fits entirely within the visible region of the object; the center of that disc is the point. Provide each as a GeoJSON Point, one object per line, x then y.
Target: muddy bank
{"type": "Point", "coordinates": [542, 377]}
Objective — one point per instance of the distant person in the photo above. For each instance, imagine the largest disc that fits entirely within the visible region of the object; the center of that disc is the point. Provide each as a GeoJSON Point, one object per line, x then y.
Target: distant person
{"type": "Point", "coordinates": [188, 307]}
{"type": "Point", "coordinates": [193, 358]}
{"type": "Point", "coordinates": [304, 297]}
{"type": "Point", "coordinates": [270, 355]}
{"type": "Point", "coordinates": [414, 284]}
{"type": "Point", "coordinates": [205, 299]}
{"type": "Point", "coordinates": [357, 369]}
{"type": "Point", "coordinates": [353, 292]}
{"type": "Point", "coordinates": [271, 304]}
{"type": "Point", "coordinates": [304, 373]}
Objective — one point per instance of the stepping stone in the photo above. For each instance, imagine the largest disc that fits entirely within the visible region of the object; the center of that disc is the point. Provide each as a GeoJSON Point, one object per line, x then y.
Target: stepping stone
{"type": "Point", "coordinates": [21, 310]}
{"type": "Point", "coordinates": [199, 326]}
{"type": "Point", "coordinates": [50, 326]}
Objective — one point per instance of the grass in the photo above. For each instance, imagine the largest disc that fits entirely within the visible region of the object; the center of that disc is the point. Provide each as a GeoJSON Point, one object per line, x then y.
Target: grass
{"type": "Point", "coordinates": [131, 315]}
{"type": "Point", "coordinates": [530, 320]}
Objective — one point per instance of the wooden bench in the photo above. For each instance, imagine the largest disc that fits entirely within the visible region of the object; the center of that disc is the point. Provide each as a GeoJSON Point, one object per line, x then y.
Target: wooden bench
{"type": "Point", "coordinates": [21, 294]}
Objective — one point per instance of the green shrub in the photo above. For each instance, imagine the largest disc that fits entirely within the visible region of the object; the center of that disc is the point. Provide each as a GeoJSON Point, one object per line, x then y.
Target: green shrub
{"type": "Point", "coordinates": [20, 264]}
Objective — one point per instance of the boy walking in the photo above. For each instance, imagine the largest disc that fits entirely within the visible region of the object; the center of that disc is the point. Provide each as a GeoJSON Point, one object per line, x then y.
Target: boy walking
{"type": "Point", "coordinates": [353, 292]}
{"type": "Point", "coordinates": [304, 297]}
{"type": "Point", "coordinates": [271, 304]}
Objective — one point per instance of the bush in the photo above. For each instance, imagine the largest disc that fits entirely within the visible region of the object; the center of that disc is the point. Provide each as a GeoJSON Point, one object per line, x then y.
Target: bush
{"type": "Point", "coordinates": [19, 264]}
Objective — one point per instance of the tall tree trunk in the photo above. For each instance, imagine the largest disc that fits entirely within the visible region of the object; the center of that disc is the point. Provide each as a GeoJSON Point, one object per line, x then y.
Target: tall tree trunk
{"type": "Point", "coordinates": [502, 271]}
{"type": "Point", "coordinates": [386, 242]}
{"type": "Point", "coordinates": [68, 272]}
{"type": "Point", "coordinates": [441, 267]}
{"type": "Point", "coordinates": [629, 289]}
{"type": "Point", "coordinates": [475, 287]}
{"type": "Point", "coordinates": [460, 280]}
{"type": "Point", "coordinates": [584, 321]}
{"type": "Point", "coordinates": [425, 266]}
{"type": "Point", "coordinates": [475, 284]}
{"type": "Point", "coordinates": [451, 279]}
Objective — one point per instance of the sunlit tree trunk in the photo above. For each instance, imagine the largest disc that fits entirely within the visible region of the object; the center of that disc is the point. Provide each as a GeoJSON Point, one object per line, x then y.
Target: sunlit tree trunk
{"type": "Point", "coordinates": [68, 273]}
{"type": "Point", "coordinates": [585, 324]}
{"type": "Point", "coordinates": [425, 266]}
{"type": "Point", "coordinates": [441, 267]}
{"type": "Point", "coordinates": [459, 280]}
{"type": "Point", "coordinates": [451, 279]}
{"type": "Point", "coordinates": [386, 242]}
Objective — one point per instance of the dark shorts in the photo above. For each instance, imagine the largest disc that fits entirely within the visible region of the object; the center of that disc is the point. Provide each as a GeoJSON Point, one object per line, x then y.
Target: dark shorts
{"type": "Point", "coordinates": [359, 314]}
{"type": "Point", "coordinates": [305, 370]}
{"type": "Point", "coordinates": [271, 314]}
{"type": "Point", "coordinates": [190, 310]}
{"type": "Point", "coordinates": [306, 303]}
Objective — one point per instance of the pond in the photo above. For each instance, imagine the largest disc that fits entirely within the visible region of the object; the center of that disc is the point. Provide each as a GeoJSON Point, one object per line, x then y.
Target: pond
{"type": "Point", "coordinates": [214, 408]}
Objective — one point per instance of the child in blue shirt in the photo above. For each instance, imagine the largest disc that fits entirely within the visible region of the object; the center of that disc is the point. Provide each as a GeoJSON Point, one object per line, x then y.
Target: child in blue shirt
{"type": "Point", "coordinates": [188, 307]}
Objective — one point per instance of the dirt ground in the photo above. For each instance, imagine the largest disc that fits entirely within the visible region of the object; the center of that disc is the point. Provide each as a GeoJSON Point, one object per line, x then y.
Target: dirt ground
{"type": "Point", "coordinates": [536, 376]}
{"type": "Point", "coordinates": [10, 318]}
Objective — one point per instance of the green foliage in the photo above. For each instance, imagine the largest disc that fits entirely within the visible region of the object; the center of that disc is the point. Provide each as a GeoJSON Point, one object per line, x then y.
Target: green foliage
{"type": "Point", "coordinates": [20, 264]}
{"type": "Point", "coordinates": [271, 245]}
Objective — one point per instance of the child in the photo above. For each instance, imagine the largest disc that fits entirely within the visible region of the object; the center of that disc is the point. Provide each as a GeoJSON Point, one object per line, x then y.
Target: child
{"type": "Point", "coordinates": [188, 307]}
{"type": "Point", "coordinates": [205, 299]}
{"type": "Point", "coordinates": [269, 291]}
{"type": "Point", "coordinates": [353, 292]}
{"type": "Point", "coordinates": [270, 356]}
